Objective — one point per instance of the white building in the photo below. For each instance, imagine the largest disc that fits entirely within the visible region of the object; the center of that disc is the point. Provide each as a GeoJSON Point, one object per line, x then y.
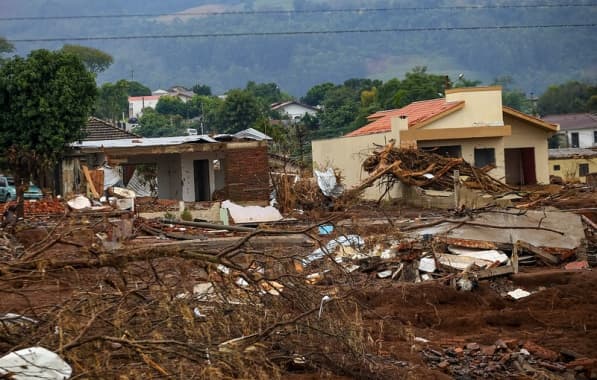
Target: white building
{"type": "Point", "coordinates": [580, 129]}
{"type": "Point", "coordinates": [293, 109]}
{"type": "Point", "coordinates": [138, 103]}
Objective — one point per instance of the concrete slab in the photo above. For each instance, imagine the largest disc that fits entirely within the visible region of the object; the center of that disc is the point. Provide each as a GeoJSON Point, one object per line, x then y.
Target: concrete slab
{"type": "Point", "coordinates": [568, 226]}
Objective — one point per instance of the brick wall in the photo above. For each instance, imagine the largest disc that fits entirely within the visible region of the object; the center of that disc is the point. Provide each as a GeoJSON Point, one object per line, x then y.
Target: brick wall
{"type": "Point", "coordinates": [247, 174]}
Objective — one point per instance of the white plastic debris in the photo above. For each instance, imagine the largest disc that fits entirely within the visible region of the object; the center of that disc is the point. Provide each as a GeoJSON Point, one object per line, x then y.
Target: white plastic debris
{"type": "Point", "coordinates": [79, 202]}
{"type": "Point", "coordinates": [384, 274]}
{"type": "Point", "coordinates": [16, 318]}
{"type": "Point", "coordinates": [492, 255]}
{"type": "Point", "coordinates": [203, 291]}
{"type": "Point", "coordinates": [324, 300]}
{"type": "Point", "coordinates": [242, 282]}
{"type": "Point", "coordinates": [428, 176]}
{"type": "Point", "coordinates": [34, 363]}
{"type": "Point", "coordinates": [224, 269]}
{"type": "Point", "coordinates": [519, 293]}
{"type": "Point", "coordinates": [524, 352]}
{"type": "Point", "coordinates": [251, 214]}
{"type": "Point", "coordinates": [198, 313]}
{"type": "Point", "coordinates": [327, 183]}
{"type": "Point", "coordinates": [344, 240]}
{"type": "Point", "coordinates": [427, 264]}
{"type": "Point", "coordinates": [421, 340]}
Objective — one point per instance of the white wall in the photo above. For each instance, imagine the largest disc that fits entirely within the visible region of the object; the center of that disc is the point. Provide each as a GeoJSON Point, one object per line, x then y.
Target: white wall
{"type": "Point", "coordinates": [136, 106]}
{"type": "Point", "coordinates": [188, 173]}
{"type": "Point", "coordinates": [295, 110]}
{"type": "Point", "coordinates": [586, 138]}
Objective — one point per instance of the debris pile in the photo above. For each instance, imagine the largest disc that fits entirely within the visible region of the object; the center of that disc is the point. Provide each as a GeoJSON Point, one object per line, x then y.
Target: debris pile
{"type": "Point", "coordinates": [426, 170]}
{"type": "Point", "coordinates": [509, 358]}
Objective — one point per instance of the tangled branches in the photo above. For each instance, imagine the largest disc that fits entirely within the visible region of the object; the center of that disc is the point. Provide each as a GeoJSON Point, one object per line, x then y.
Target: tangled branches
{"type": "Point", "coordinates": [183, 312]}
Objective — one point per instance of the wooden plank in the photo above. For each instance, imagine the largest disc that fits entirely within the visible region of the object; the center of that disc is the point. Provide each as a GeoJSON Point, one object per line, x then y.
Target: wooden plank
{"type": "Point", "coordinates": [90, 181]}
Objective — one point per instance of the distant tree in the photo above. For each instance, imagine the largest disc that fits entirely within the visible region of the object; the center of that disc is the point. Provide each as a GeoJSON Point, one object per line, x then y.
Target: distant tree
{"type": "Point", "coordinates": [420, 85]}
{"type": "Point", "coordinates": [134, 88]}
{"type": "Point", "coordinates": [464, 82]}
{"type": "Point", "coordinates": [317, 93]}
{"type": "Point", "coordinates": [209, 107]}
{"type": "Point", "coordinates": [268, 93]}
{"type": "Point", "coordinates": [45, 100]}
{"type": "Point", "coordinates": [95, 60]}
{"type": "Point", "coordinates": [5, 46]}
{"type": "Point", "coordinates": [202, 89]}
{"type": "Point", "coordinates": [240, 110]}
{"type": "Point", "coordinates": [154, 124]}
{"type": "Point", "coordinates": [570, 97]}
{"type": "Point", "coordinates": [513, 97]}
{"type": "Point", "coordinates": [112, 100]}
{"type": "Point", "coordinates": [171, 105]}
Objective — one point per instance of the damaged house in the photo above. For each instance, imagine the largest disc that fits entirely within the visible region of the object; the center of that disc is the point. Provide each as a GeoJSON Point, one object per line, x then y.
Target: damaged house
{"type": "Point", "coordinates": [187, 168]}
{"type": "Point", "coordinates": [470, 123]}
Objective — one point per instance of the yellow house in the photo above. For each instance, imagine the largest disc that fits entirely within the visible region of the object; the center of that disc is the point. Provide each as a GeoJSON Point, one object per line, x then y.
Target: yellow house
{"type": "Point", "coordinates": [468, 122]}
{"type": "Point", "coordinates": [572, 164]}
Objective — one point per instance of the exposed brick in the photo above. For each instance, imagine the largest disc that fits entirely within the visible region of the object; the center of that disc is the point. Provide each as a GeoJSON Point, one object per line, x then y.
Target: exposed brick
{"type": "Point", "coordinates": [247, 174]}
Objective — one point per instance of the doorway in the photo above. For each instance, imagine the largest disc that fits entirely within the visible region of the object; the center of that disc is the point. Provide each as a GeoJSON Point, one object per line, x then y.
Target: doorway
{"type": "Point", "coordinates": [202, 185]}
{"type": "Point", "coordinates": [520, 166]}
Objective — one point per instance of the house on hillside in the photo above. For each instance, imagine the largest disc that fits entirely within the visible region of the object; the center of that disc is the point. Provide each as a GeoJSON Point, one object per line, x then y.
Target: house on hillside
{"type": "Point", "coordinates": [572, 164]}
{"type": "Point", "coordinates": [181, 92]}
{"type": "Point", "coordinates": [138, 103]}
{"type": "Point", "coordinates": [294, 110]}
{"type": "Point", "coordinates": [579, 129]}
{"type": "Point", "coordinates": [470, 123]}
{"type": "Point", "coordinates": [187, 168]}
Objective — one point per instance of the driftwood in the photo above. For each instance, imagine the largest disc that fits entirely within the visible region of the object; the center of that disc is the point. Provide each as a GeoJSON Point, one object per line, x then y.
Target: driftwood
{"type": "Point", "coordinates": [426, 170]}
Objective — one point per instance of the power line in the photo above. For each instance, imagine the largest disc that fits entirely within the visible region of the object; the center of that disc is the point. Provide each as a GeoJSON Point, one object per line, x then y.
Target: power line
{"type": "Point", "coordinates": [299, 33]}
{"type": "Point", "coordinates": [302, 11]}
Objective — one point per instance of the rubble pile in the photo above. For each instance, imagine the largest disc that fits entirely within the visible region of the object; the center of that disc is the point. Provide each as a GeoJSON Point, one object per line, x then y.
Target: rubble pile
{"type": "Point", "coordinates": [427, 170]}
{"type": "Point", "coordinates": [509, 358]}
{"type": "Point", "coordinates": [109, 293]}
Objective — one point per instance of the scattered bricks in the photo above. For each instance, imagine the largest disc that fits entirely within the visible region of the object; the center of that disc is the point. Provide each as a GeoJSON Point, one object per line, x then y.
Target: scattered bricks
{"type": "Point", "coordinates": [577, 265]}
{"type": "Point", "coordinates": [472, 346]}
{"type": "Point", "coordinates": [488, 350]}
{"type": "Point", "coordinates": [458, 351]}
{"type": "Point", "coordinates": [541, 352]}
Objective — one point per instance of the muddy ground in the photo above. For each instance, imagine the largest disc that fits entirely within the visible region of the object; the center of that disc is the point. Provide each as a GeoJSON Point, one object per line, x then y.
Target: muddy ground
{"type": "Point", "coordinates": [406, 323]}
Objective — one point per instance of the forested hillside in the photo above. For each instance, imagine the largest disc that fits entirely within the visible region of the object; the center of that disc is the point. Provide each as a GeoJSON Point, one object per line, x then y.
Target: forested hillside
{"type": "Point", "coordinates": [533, 57]}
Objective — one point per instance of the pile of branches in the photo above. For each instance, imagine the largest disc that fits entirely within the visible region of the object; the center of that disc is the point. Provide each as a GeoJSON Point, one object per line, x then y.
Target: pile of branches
{"type": "Point", "coordinates": [427, 170]}
{"type": "Point", "coordinates": [134, 312]}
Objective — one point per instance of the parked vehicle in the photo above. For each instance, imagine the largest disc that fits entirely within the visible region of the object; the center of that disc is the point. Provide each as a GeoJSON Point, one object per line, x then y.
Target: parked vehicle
{"type": "Point", "coordinates": [8, 191]}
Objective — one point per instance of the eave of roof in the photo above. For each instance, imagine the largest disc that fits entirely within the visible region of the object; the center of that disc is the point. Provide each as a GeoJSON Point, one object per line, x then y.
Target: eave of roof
{"type": "Point", "coordinates": [531, 119]}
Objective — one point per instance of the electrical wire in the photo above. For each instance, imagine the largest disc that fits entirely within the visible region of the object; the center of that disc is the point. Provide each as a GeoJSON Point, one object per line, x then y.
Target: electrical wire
{"type": "Point", "coordinates": [303, 11]}
{"type": "Point", "coordinates": [300, 33]}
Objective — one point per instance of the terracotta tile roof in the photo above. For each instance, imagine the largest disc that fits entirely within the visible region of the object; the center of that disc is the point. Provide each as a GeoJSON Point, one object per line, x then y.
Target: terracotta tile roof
{"type": "Point", "coordinates": [97, 129]}
{"type": "Point", "coordinates": [573, 121]}
{"type": "Point", "coordinates": [416, 112]}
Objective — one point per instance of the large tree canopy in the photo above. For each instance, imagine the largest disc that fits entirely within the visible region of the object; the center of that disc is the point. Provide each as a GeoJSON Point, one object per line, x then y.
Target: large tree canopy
{"type": "Point", "coordinates": [239, 111]}
{"type": "Point", "coordinates": [95, 60]}
{"type": "Point", "coordinates": [5, 46]}
{"type": "Point", "coordinates": [570, 97]}
{"type": "Point", "coordinates": [112, 101]}
{"type": "Point", "coordinates": [45, 100]}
